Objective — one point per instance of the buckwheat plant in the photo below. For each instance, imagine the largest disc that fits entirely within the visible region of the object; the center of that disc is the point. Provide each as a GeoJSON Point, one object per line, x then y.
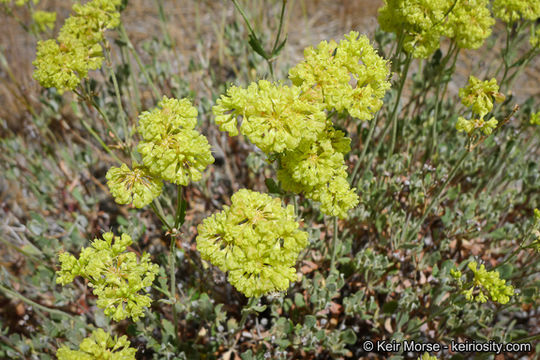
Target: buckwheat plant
{"type": "Point", "coordinates": [290, 124]}
{"type": "Point", "coordinates": [421, 24]}
{"type": "Point", "coordinates": [255, 240]}
{"type": "Point", "coordinates": [99, 345]}
{"type": "Point", "coordinates": [479, 95]}
{"type": "Point", "coordinates": [63, 62]}
{"type": "Point", "coordinates": [171, 148]}
{"type": "Point", "coordinates": [354, 240]}
{"type": "Point", "coordinates": [118, 278]}
{"type": "Point", "coordinates": [485, 283]}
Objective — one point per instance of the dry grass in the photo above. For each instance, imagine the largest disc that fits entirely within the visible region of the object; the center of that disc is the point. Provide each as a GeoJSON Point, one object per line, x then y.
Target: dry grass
{"type": "Point", "coordinates": [198, 32]}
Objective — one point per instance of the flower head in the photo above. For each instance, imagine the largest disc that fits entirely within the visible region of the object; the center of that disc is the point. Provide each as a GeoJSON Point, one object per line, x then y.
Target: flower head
{"type": "Point", "coordinates": [44, 20]}
{"type": "Point", "coordinates": [135, 186]}
{"type": "Point", "coordinates": [488, 283]}
{"type": "Point", "coordinates": [318, 170]}
{"type": "Point", "coordinates": [469, 23]}
{"type": "Point", "coordinates": [480, 95]}
{"type": "Point", "coordinates": [171, 148]}
{"type": "Point", "coordinates": [535, 118]}
{"type": "Point", "coordinates": [469, 126]}
{"type": "Point", "coordinates": [349, 76]}
{"type": "Point", "coordinates": [99, 346]}
{"type": "Point", "coordinates": [64, 65]}
{"type": "Point", "coordinates": [514, 10]}
{"type": "Point", "coordinates": [117, 277]}
{"type": "Point", "coordinates": [274, 117]}
{"type": "Point", "coordinates": [63, 62]}
{"type": "Point", "coordinates": [421, 22]}
{"type": "Point", "coordinates": [255, 240]}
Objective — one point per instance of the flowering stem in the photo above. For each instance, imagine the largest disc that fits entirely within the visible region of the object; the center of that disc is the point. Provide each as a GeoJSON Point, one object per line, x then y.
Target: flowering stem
{"type": "Point", "coordinates": [245, 313]}
{"type": "Point", "coordinates": [98, 138]}
{"type": "Point", "coordinates": [172, 263]}
{"type": "Point", "coordinates": [159, 214]}
{"type": "Point", "coordinates": [393, 116]}
{"type": "Point", "coordinates": [23, 298]}
{"type": "Point", "coordinates": [138, 60]}
{"type": "Point", "coordinates": [118, 97]}
{"type": "Point", "coordinates": [514, 253]}
{"type": "Point", "coordinates": [180, 208]}
{"type": "Point", "coordinates": [453, 51]}
{"type": "Point", "coordinates": [364, 150]}
{"type": "Point", "coordinates": [334, 246]}
{"type": "Point", "coordinates": [254, 41]}
{"type": "Point", "coordinates": [440, 191]}
{"type": "Point", "coordinates": [276, 43]}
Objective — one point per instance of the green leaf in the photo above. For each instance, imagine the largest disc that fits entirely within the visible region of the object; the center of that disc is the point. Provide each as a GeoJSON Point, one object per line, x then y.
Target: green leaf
{"type": "Point", "coordinates": [390, 307]}
{"type": "Point", "coordinates": [168, 327]}
{"type": "Point", "coordinates": [348, 336]}
{"type": "Point", "coordinates": [299, 300]}
{"type": "Point", "coordinates": [257, 47]}
{"type": "Point", "coordinates": [505, 271]}
{"type": "Point", "coordinates": [278, 48]}
{"type": "Point", "coordinates": [310, 321]}
{"type": "Point", "coordinates": [273, 187]}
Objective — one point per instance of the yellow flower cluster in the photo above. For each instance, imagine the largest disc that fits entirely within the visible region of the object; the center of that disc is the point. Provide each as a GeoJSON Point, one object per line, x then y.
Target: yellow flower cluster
{"type": "Point", "coordinates": [422, 23]}
{"type": "Point", "coordinates": [469, 23]}
{"type": "Point", "coordinates": [44, 20]}
{"type": "Point", "coordinates": [426, 356]}
{"type": "Point", "coordinates": [490, 284]}
{"type": "Point", "coordinates": [274, 117]}
{"type": "Point", "coordinates": [514, 10]}
{"type": "Point", "coordinates": [535, 118]}
{"type": "Point", "coordinates": [255, 240]}
{"type": "Point", "coordinates": [137, 186]}
{"type": "Point", "coordinates": [63, 62]}
{"type": "Point", "coordinates": [290, 123]}
{"type": "Point", "coordinates": [349, 76]}
{"type": "Point", "coordinates": [99, 346]}
{"type": "Point", "coordinates": [117, 276]}
{"type": "Point", "coordinates": [479, 95]}
{"type": "Point", "coordinates": [171, 150]}
{"type": "Point", "coordinates": [318, 170]}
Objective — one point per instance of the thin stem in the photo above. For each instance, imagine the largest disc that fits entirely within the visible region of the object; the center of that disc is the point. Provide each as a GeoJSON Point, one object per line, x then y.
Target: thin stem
{"type": "Point", "coordinates": [514, 253]}
{"type": "Point", "coordinates": [159, 214]}
{"type": "Point", "coordinates": [440, 191]}
{"type": "Point", "coordinates": [172, 263]}
{"type": "Point", "coordinates": [528, 339]}
{"type": "Point", "coordinates": [22, 251]}
{"type": "Point", "coordinates": [393, 116]}
{"type": "Point", "coordinates": [438, 98]}
{"type": "Point", "coordinates": [23, 298]}
{"type": "Point", "coordinates": [245, 313]}
{"type": "Point", "coordinates": [90, 102]}
{"type": "Point", "coordinates": [276, 43]}
{"type": "Point", "coordinates": [243, 14]}
{"type": "Point", "coordinates": [334, 246]}
{"type": "Point", "coordinates": [118, 97]}
{"type": "Point", "coordinates": [139, 62]}
{"type": "Point", "coordinates": [181, 205]}
{"type": "Point", "coordinates": [103, 145]}
{"type": "Point", "coordinates": [366, 145]}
